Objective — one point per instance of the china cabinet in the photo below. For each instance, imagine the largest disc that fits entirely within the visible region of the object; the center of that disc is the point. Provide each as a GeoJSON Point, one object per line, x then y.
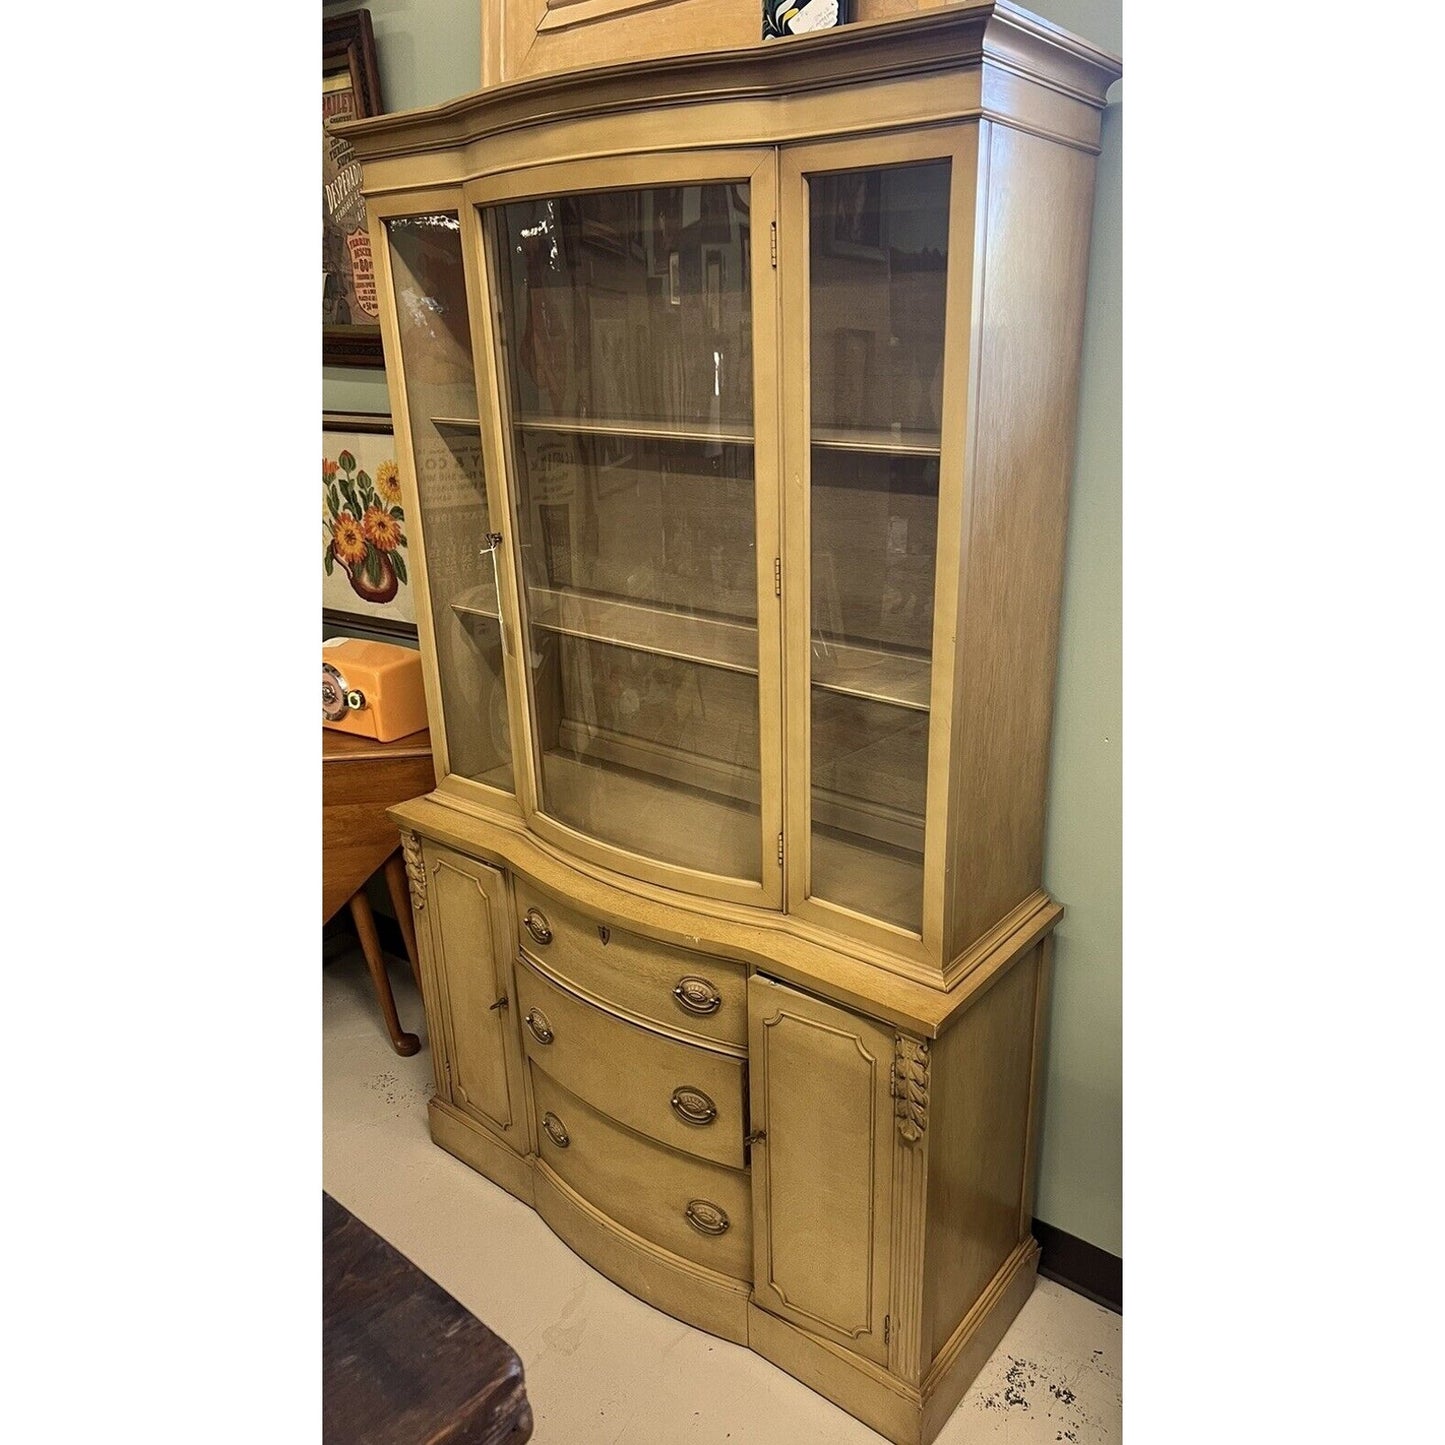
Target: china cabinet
{"type": "Point", "coordinates": [737, 395]}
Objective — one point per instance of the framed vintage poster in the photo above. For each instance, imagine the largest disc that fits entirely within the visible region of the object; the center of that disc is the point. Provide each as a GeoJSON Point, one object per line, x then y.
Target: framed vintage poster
{"type": "Point", "coordinates": [350, 89]}
{"type": "Point", "coordinates": [364, 528]}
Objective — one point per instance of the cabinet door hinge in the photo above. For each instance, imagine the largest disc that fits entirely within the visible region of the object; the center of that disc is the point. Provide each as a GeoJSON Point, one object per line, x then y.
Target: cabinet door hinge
{"type": "Point", "coordinates": [775, 245]}
{"type": "Point", "coordinates": [780, 850]}
{"type": "Point", "coordinates": [777, 576]}
{"type": "Point", "coordinates": [887, 1327]}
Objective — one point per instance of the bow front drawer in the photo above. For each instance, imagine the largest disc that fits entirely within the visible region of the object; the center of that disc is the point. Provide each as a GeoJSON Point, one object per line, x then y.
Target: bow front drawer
{"type": "Point", "coordinates": [681, 1094]}
{"type": "Point", "coordinates": [697, 995]}
{"type": "Point", "coordinates": [692, 1207]}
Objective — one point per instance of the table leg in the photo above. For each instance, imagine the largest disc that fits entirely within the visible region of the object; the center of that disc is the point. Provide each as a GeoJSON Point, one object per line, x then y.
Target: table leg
{"type": "Point", "coordinates": [404, 1043]}
{"type": "Point", "coordinates": [396, 885]}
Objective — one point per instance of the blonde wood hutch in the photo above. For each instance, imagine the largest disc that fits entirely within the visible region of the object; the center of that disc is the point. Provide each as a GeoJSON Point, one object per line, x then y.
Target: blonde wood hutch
{"type": "Point", "coordinates": [735, 395]}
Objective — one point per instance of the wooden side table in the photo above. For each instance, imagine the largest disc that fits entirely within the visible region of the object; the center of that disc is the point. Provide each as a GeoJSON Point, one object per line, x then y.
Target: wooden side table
{"type": "Point", "coordinates": [360, 779]}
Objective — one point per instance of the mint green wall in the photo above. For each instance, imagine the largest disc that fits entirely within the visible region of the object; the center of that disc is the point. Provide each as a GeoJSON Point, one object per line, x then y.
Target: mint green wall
{"type": "Point", "coordinates": [1081, 1159]}
{"type": "Point", "coordinates": [429, 51]}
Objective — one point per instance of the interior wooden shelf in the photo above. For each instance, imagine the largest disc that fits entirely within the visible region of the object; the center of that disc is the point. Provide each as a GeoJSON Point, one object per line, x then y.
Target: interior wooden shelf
{"type": "Point", "coordinates": [873, 673]}
{"type": "Point", "coordinates": [876, 881]}
{"type": "Point", "coordinates": [908, 443]}
{"type": "Point", "coordinates": [876, 674]}
{"type": "Point", "coordinates": [640, 430]}
{"type": "Point", "coordinates": [477, 602]}
{"type": "Point", "coordinates": [873, 879]}
{"type": "Point", "coordinates": [851, 439]}
{"type": "Point", "coordinates": [659, 630]}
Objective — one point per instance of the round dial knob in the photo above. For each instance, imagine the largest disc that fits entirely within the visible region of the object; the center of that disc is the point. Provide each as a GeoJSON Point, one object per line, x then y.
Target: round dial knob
{"type": "Point", "coordinates": [333, 694]}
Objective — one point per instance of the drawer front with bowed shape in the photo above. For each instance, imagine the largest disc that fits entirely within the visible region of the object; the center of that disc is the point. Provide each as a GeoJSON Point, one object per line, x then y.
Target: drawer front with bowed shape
{"type": "Point", "coordinates": [682, 1095]}
{"type": "Point", "coordinates": [694, 1208]}
{"type": "Point", "coordinates": [697, 995]}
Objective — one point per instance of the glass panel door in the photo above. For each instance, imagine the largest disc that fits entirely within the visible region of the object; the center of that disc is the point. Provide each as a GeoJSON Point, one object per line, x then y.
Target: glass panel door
{"type": "Point", "coordinates": [627, 353]}
{"type": "Point", "coordinates": [878, 258]}
{"type": "Point", "coordinates": [425, 255]}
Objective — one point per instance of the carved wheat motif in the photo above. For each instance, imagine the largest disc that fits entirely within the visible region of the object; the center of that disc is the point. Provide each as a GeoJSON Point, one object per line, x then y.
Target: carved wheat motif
{"type": "Point", "coordinates": [910, 1086]}
{"type": "Point", "coordinates": [415, 872]}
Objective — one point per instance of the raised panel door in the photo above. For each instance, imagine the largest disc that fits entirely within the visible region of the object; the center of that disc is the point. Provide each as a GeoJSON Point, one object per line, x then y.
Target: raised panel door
{"type": "Point", "coordinates": [821, 1093]}
{"type": "Point", "coordinates": [471, 938]}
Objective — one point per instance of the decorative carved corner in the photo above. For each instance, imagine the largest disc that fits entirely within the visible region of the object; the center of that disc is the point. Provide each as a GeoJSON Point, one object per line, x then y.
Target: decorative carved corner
{"type": "Point", "coordinates": [415, 871]}
{"type": "Point", "coordinates": [910, 1086]}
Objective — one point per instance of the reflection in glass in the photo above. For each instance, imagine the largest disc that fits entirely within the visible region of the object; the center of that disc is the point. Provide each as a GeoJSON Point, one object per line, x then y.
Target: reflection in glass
{"type": "Point", "coordinates": [627, 347]}
{"type": "Point", "coordinates": [878, 253]}
{"type": "Point", "coordinates": [431, 307]}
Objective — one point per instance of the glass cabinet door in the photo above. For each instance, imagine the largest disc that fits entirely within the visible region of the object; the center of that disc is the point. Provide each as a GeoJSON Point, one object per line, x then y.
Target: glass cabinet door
{"type": "Point", "coordinates": [425, 262]}
{"type": "Point", "coordinates": [877, 272]}
{"type": "Point", "coordinates": [626, 351]}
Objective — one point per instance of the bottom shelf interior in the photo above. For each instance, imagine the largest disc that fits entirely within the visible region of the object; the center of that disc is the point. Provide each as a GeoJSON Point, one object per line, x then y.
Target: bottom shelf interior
{"type": "Point", "coordinates": [653, 816]}
{"type": "Point", "coordinates": [659, 818]}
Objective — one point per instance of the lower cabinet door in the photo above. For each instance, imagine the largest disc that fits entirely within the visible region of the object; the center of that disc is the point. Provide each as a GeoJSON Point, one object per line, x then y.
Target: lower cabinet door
{"type": "Point", "coordinates": [471, 931]}
{"type": "Point", "coordinates": [820, 1087]}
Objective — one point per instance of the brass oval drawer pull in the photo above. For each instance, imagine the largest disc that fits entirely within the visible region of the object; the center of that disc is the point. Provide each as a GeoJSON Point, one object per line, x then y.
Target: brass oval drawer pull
{"type": "Point", "coordinates": [697, 995]}
{"type": "Point", "coordinates": [541, 1029]}
{"type": "Point", "coordinates": [557, 1133]}
{"type": "Point", "coordinates": [707, 1217]}
{"type": "Point", "coordinates": [692, 1106]}
{"type": "Point", "coordinates": [535, 922]}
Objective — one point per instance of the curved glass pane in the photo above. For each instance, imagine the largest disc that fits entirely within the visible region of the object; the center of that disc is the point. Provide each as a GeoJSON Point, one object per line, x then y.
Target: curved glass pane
{"type": "Point", "coordinates": [627, 347]}
{"type": "Point", "coordinates": [446, 439]}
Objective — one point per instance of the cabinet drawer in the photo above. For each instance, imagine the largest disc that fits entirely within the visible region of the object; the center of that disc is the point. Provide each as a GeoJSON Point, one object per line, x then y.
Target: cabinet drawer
{"type": "Point", "coordinates": [699, 1210]}
{"type": "Point", "coordinates": [686, 1096]}
{"type": "Point", "coordinates": [696, 994]}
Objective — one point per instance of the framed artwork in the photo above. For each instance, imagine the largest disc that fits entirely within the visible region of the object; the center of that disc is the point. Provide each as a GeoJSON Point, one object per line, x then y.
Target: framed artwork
{"type": "Point", "coordinates": [797, 17]}
{"type": "Point", "coordinates": [363, 560]}
{"type": "Point", "coordinates": [855, 215]}
{"type": "Point", "coordinates": [350, 90]}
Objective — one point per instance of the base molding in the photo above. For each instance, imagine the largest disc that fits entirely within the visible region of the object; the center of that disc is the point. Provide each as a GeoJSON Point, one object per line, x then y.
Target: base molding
{"type": "Point", "coordinates": [866, 1391]}
{"type": "Point", "coordinates": [473, 1145]}
{"type": "Point", "coordinates": [906, 1416]}
{"type": "Point", "coordinates": [725, 1307]}
{"type": "Point", "coordinates": [697, 1296]}
{"type": "Point", "coordinates": [977, 1337]}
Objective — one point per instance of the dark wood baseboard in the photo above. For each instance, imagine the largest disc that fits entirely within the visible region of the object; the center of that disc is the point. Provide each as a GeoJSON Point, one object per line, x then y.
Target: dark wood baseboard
{"type": "Point", "coordinates": [1080, 1266]}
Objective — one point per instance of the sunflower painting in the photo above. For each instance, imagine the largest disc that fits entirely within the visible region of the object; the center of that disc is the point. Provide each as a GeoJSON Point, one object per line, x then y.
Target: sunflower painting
{"type": "Point", "coordinates": [363, 526]}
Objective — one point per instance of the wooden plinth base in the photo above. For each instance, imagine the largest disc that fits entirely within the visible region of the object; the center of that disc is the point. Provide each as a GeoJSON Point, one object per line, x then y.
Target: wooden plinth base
{"type": "Point", "coordinates": [905, 1414]}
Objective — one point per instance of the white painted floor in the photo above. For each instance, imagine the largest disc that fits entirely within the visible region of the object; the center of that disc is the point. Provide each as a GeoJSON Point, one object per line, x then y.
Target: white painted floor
{"type": "Point", "coordinates": [603, 1368]}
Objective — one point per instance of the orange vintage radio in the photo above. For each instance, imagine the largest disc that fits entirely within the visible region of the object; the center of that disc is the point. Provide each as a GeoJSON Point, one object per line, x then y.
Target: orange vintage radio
{"type": "Point", "coordinates": [371, 688]}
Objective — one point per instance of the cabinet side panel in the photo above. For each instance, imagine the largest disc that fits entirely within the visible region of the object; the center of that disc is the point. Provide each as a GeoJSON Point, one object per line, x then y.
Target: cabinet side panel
{"type": "Point", "coordinates": [977, 1148]}
{"type": "Point", "coordinates": [1028, 335]}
